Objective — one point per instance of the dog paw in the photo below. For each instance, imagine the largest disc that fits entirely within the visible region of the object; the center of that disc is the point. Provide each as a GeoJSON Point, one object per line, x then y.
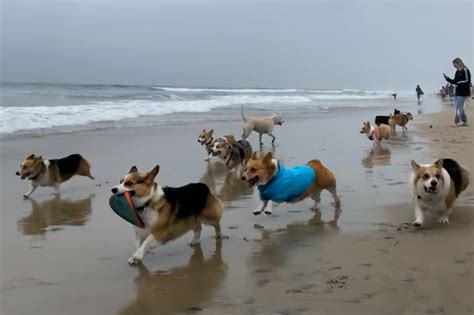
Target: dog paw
{"type": "Point", "coordinates": [267, 212]}
{"type": "Point", "coordinates": [443, 220]}
{"type": "Point", "coordinates": [417, 223]}
{"type": "Point", "coordinates": [25, 196]}
{"type": "Point", "coordinates": [135, 259]}
{"type": "Point", "coordinates": [257, 212]}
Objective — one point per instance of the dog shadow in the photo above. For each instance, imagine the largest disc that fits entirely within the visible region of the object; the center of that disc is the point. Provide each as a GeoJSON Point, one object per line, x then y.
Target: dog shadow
{"type": "Point", "coordinates": [377, 156]}
{"type": "Point", "coordinates": [55, 213]}
{"type": "Point", "coordinates": [225, 184]}
{"type": "Point", "coordinates": [180, 288]}
{"type": "Point", "coordinates": [279, 245]}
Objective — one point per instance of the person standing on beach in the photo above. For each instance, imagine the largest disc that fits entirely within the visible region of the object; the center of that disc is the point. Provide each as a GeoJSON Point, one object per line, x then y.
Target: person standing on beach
{"type": "Point", "coordinates": [462, 80]}
{"type": "Point", "coordinates": [419, 92]}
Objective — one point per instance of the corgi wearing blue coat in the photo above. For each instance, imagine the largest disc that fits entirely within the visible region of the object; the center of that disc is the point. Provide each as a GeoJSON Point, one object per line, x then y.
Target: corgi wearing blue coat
{"type": "Point", "coordinates": [276, 183]}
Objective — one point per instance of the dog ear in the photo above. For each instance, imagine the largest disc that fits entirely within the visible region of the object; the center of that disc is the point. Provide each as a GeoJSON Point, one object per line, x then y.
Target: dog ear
{"type": "Point", "coordinates": [267, 159]}
{"type": "Point", "coordinates": [150, 176]}
{"type": "Point", "coordinates": [133, 169]}
{"type": "Point", "coordinates": [211, 131]}
{"type": "Point", "coordinates": [204, 130]}
{"type": "Point", "coordinates": [40, 158]}
{"type": "Point", "coordinates": [32, 156]}
{"type": "Point", "coordinates": [414, 166]}
{"type": "Point", "coordinates": [439, 164]}
{"type": "Point", "coordinates": [254, 155]}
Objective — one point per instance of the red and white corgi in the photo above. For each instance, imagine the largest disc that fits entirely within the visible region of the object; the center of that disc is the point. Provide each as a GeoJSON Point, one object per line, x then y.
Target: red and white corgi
{"type": "Point", "coordinates": [277, 184]}
{"type": "Point", "coordinates": [435, 188]}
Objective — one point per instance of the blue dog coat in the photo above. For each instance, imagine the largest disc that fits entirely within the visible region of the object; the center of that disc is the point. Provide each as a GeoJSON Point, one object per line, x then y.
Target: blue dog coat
{"type": "Point", "coordinates": [287, 184]}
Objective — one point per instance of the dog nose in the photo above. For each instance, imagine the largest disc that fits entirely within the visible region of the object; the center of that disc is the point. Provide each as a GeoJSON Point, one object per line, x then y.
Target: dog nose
{"type": "Point", "coordinates": [17, 173]}
{"type": "Point", "coordinates": [114, 190]}
{"type": "Point", "coordinates": [434, 183]}
{"type": "Point", "coordinates": [242, 177]}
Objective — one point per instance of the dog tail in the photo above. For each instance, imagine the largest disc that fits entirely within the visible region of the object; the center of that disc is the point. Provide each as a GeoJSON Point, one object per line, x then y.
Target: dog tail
{"type": "Point", "coordinates": [242, 113]}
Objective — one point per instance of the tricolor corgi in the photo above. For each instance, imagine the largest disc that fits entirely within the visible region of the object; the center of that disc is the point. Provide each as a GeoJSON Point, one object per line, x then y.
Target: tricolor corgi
{"type": "Point", "coordinates": [168, 212]}
{"type": "Point", "coordinates": [52, 172]}
{"type": "Point", "coordinates": [207, 138]}
{"type": "Point", "coordinates": [278, 184]}
{"type": "Point", "coordinates": [435, 188]}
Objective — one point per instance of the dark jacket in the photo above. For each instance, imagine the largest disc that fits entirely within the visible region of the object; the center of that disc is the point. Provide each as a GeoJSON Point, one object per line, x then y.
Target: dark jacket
{"type": "Point", "coordinates": [462, 79]}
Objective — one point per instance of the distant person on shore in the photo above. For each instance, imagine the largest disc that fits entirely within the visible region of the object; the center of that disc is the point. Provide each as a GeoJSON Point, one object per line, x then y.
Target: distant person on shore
{"type": "Point", "coordinates": [419, 92]}
{"type": "Point", "coordinates": [394, 96]}
{"type": "Point", "coordinates": [462, 80]}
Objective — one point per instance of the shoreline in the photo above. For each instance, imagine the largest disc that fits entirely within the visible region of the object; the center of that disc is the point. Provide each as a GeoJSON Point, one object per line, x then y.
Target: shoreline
{"type": "Point", "coordinates": [368, 260]}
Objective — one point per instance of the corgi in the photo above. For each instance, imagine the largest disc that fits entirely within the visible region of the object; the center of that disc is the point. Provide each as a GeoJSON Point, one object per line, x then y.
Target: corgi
{"type": "Point", "coordinates": [52, 172]}
{"type": "Point", "coordinates": [234, 155]}
{"type": "Point", "coordinates": [401, 119]}
{"type": "Point", "coordinates": [207, 138]}
{"type": "Point", "coordinates": [435, 188]}
{"type": "Point", "coordinates": [278, 184]}
{"type": "Point", "coordinates": [168, 212]}
{"type": "Point", "coordinates": [375, 134]}
{"type": "Point", "coordinates": [384, 119]}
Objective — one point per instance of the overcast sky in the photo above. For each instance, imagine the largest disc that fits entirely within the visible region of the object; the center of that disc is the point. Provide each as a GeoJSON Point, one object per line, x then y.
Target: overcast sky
{"type": "Point", "coordinates": [288, 44]}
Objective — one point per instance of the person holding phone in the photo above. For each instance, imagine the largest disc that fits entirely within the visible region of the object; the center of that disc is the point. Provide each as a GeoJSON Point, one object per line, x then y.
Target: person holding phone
{"type": "Point", "coordinates": [462, 80]}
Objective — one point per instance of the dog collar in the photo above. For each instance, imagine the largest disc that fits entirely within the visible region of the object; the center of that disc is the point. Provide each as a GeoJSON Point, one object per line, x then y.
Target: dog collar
{"type": "Point", "coordinates": [140, 209]}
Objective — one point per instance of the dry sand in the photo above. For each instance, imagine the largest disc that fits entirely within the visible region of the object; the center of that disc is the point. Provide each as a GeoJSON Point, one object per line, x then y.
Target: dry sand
{"type": "Point", "coordinates": [67, 254]}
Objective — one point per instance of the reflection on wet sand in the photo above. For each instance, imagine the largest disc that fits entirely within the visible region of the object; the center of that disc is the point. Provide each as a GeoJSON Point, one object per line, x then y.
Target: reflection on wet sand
{"type": "Point", "coordinates": [55, 212]}
{"type": "Point", "coordinates": [278, 246]}
{"type": "Point", "coordinates": [178, 289]}
{"type": "Point", "coordinates": [377, 156]}
{"type": "Point", "coordinates": [227, 185]}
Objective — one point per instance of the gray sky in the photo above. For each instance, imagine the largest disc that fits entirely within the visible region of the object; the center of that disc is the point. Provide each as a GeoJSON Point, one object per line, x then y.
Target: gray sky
{"type": "Point", "coordinates": [288, 44]}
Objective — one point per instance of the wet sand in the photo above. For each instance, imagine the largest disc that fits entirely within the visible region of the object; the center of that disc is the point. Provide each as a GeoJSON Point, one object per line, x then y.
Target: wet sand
{"type": "Point", "coordinates": [68, 254]}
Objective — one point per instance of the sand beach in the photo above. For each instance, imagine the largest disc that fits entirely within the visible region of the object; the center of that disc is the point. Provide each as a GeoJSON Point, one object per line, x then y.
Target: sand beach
{"type": "Point", "coordinates": [68, 254]}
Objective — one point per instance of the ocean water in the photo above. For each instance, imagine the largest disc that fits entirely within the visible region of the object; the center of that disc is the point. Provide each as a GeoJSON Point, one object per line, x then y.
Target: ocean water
{"type": "Point", "coordinates": [32, 109]}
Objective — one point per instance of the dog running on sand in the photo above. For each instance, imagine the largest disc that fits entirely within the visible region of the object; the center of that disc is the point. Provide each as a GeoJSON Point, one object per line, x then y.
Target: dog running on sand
{"type": "Point", "coordinates": [52, 173]}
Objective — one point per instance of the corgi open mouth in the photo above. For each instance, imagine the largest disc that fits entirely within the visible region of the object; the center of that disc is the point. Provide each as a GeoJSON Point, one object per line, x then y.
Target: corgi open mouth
{"type": "Point", "coordinates": [431, 190]}
{"type": "Point", "coordinates": [252, 182]}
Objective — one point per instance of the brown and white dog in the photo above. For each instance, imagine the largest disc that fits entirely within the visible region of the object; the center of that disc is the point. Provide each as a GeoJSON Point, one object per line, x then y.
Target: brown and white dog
{"type": "Point", "coordinates": [52, 172]}
{"type": "Point", "coordinates": [435, 188]}
{"type": "Point", "coordinates": [401, 119]}
{"type": "Point", "coordinates": [208, 139]}
{"type": "Point", "coordinates": [375, 134]}
{"type": "Point", "coordinates": [260, 124]}
{"type": "Point", "coordinates": [168, 212]}
{"type": "Point", "coordinates": [277, 184]}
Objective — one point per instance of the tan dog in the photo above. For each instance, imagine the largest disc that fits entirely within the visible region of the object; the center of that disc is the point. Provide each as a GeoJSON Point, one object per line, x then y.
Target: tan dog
{"type": "Point", "coordinates": [262, 125]}
{"type": "Point", "coordinates": [52, 172]}
{"type": "Point", "coordinates": [168, 212]}
{"type": "Point", "coordinates": [278, 184]}
{"type": "Point", "coordinates": [375, 134]}
{"type": "Point", "coordinates": [400, 120]}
